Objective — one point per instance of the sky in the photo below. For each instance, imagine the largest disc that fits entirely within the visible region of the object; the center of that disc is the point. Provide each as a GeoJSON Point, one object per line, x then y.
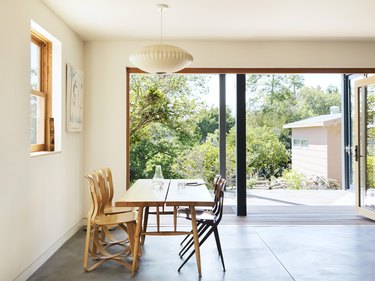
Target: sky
{"type": "Point", "coordinates": [311, 80]}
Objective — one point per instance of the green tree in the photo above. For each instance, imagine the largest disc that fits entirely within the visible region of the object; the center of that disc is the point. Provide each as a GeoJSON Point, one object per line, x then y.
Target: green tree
{"type": "Point", "coordinates": [163, 120]}
{"type": "Point", "coordinates": [200, 161]}
{"type": "Point", "coordinates": [164, 99]}
{"type": "Point", "coordinates": [266, 154]}
{"type": "Point", "coordinates": [314, 101]}
{"type": "Point", "coordinates": [208, 121]}
{"type": "Point", "coordinates": [272, 99]}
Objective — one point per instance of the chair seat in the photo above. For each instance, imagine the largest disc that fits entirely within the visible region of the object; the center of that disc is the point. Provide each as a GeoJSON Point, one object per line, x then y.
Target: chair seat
{"type": "Point", "coordinates": [118, 210]}
{"type": "Point", "coordinates": [116, 218]}
{"type": "Point", "coordinates": [201, 215]}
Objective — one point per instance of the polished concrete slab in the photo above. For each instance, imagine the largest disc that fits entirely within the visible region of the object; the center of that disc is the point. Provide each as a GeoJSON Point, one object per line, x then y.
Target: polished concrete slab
{"type": "Point", "coordinates": [324, 252]}
{"type": "Point", "coordinates": [263, 253]}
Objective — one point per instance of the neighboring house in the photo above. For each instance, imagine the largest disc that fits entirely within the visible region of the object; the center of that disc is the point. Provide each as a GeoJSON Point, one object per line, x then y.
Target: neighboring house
{"type": "Point", "coordinates": [316, 146]}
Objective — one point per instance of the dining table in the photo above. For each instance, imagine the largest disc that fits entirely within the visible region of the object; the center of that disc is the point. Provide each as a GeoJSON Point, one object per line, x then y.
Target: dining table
{"type": "Point", "coordinates": [168, 192]}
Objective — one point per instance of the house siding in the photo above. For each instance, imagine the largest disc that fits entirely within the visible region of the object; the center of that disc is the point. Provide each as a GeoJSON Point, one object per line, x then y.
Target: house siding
{"type": "Point", "coordinates": [311, 160]}
{"type": "Point", "coordinates": [334, 168]}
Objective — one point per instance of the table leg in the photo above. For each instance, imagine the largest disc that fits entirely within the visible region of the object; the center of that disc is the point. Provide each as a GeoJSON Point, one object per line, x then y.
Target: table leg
{"type": "Point", "coordinates": [145, 222]}
{"type": "Point", "coordinates": [137, 238]}
{"type": "Point", "coordinates": [196, 241]}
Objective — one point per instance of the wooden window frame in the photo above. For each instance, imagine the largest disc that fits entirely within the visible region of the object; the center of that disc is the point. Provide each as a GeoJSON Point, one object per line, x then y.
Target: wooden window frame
{"type": "Point", "coordinates": [45, 87]}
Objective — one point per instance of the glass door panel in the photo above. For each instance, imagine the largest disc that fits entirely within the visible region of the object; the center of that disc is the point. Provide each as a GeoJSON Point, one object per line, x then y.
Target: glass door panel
{"type": "Point", "coordinates": [365, 146]}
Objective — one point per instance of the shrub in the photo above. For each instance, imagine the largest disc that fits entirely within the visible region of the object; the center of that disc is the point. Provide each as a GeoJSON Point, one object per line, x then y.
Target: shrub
{"type": "Point", "coordinates": [293, 179]}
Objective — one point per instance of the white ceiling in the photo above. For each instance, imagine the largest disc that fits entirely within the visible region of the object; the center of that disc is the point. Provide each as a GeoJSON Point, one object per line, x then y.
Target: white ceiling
{"type": "Point", "coordinates": [219, 19]}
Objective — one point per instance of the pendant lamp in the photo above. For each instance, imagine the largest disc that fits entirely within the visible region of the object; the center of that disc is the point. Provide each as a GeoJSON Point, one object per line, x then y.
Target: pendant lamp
{"type": "Point", "coordinates": [161, 58]}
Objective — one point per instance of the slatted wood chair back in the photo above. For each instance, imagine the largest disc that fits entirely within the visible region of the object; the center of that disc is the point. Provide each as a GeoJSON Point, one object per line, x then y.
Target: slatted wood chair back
{"type": "Point", "coordinates": [218, 186]}
{"type": "Point", "coordinates": [108, 186]}
{"type": "Point", "coordinates": [219, 199]}
{"type": "Point", "coordinates": [95, 199]}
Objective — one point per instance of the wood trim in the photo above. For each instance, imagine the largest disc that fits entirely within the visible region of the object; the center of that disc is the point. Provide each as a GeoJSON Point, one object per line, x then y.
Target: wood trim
{"type": "Point", "coordinates": [364, 82]}
{"type": "Point", "coordinates": [48, 89]}
{"type": "Point", "coordinates": [38, 37]}
{"type": "Point", "coordinates": [45, 86]}
{"type": "Point", "coordinates": [37, 147]}
{"type": "Point", "coordinates": [127, 132]}
{"type": "Point", "coordinates": [39, 94]}
{"type": "Point", "coordinates": [264, 70]}
{"type": "Point", "coordinates": [207, 70]}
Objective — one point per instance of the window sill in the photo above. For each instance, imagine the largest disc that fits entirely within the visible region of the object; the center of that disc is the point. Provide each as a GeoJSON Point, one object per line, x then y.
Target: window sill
{"type": "Point", "coordinates": [43, 153]}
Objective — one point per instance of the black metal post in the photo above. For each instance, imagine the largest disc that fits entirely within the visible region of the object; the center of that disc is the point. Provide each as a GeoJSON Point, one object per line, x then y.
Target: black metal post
{"type": "Point", "coordinates": [241, 145]}
{"type": "Point", "coordinates": [222, 127]}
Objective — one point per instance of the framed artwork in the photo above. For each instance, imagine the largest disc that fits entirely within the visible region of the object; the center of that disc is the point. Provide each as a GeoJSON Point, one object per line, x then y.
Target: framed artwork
{"type": "Point", "coordinates": [74, 98]}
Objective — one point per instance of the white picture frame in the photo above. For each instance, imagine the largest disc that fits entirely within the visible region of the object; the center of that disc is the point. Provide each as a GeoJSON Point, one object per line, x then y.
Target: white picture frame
{"type": "Point", "coordinates": [74, 98]}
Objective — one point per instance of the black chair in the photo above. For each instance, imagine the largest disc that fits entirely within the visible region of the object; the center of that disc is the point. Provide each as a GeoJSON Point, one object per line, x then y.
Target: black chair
{"type": "Point", "coordinates": [198, 210]}
{"type": "Point", "coordinates": [208, 221]}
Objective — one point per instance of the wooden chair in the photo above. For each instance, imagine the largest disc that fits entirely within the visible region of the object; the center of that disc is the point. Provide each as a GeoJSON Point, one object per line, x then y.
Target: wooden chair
{"type": "Point", "coordinates": [108, 192]}
{"type": "Point", "coordinates": [97, 245]}
{"type": "Point", "coordinates": [208, 221]}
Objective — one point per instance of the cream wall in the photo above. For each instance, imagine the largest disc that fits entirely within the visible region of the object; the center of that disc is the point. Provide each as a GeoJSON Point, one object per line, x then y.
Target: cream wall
{"type": "Point", "coordinates": [41, 197]}
{"type": "Point", "coordinates": [105, 64]}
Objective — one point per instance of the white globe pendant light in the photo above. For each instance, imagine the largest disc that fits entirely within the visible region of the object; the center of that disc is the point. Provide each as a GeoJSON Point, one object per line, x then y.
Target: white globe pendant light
{"type": "Point", "coordinates": [161, 58]}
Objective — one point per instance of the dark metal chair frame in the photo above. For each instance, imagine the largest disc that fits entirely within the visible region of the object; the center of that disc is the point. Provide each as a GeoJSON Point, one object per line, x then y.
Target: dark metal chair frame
{"type": "Point", "coordinates": [207, 226]}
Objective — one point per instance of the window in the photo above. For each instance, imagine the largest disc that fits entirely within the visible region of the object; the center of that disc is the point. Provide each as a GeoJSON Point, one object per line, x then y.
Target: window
{"type": "Point", "coordinates": [296, 142]}
{"type": "Point", "coordinates": [304, 143]}
{"type": "Point", "coordinates": [300, 143]}
{"type": "Point", "coordinates": [41, 92]}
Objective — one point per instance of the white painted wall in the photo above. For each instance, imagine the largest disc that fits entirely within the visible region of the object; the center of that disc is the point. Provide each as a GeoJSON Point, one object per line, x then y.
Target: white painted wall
{"type": "Point", "coordinates": [41, 197]}
{"type": "Point", "coordinates": [105, 64]}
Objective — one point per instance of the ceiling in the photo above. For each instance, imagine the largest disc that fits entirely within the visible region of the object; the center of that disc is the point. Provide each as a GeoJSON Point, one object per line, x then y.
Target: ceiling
{"type": "Point", "coordinates": [242, 20]}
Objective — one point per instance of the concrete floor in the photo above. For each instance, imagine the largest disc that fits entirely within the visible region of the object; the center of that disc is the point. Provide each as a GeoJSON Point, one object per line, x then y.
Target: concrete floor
{"type": "Point", "coordinates": [266, 253]}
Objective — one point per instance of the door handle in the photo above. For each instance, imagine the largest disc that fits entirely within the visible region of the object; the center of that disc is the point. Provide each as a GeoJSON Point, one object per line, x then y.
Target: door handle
{"type": "Point", "coordinates": [356, 154]}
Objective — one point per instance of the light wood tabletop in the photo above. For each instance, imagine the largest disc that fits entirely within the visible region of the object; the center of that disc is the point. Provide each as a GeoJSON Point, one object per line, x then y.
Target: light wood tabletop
{"type": "Point", "coordinates": [144, 194]}
{"type": "Point", "coordinates": [188, 193]}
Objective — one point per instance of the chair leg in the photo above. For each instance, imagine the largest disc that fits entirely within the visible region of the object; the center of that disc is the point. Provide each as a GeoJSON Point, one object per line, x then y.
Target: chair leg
{"type": "Point", "coordinates": [200, 244]}
{"type": "Point", "coordinates": [131, 232]}
{"type": "Point", "coordinates": [145, 222]}
{"type": "Point", "coordinates": [87, 245]}
{"type": "Point", "coordinates": [187, 236]}
{"type": "Point", "coordinates": [190, 243]}
{"type": "Point", "coordinates": [218, 245]}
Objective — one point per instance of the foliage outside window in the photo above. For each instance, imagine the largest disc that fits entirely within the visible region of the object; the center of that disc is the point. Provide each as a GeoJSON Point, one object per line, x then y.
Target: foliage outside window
{"type": "Point", "coordinates": [41, 95]}
{"type": "Point", "coordinates": [171, 126]}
